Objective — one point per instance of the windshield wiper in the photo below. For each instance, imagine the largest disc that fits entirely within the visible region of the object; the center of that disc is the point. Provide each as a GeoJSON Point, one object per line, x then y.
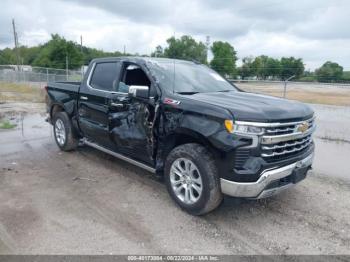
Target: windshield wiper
{"type": "Point", "coordinates": [187, 93]}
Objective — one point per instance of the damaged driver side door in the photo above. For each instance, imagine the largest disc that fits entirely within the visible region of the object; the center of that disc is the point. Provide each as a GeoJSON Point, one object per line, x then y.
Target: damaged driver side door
{"type": "Point", "coordinates": [131, 116]}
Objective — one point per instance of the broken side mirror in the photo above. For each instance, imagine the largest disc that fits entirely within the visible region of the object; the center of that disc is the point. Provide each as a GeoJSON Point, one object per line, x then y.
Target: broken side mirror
{"type": "Point", "coordinates": [141, 92]}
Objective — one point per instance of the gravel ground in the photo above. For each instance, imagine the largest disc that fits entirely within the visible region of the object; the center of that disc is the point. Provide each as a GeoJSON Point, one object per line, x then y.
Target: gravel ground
{"type": "Point", "coordinates": [86, 202]}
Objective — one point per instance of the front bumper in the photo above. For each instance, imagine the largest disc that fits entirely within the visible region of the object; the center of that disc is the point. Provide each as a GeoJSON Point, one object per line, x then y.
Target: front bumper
{"type": "Point", "coordinates": [261, 188]}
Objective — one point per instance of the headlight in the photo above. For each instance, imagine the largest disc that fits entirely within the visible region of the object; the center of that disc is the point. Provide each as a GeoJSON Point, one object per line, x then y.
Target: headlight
{"type": "Point", "coordinates": [231, 127]}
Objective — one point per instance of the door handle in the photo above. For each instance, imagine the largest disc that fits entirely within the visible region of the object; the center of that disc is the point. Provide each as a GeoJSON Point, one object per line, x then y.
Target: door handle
{"type": "Point", "coordinates": [117, 105]}
{"type": "Point", "coordinates": [83, 98]}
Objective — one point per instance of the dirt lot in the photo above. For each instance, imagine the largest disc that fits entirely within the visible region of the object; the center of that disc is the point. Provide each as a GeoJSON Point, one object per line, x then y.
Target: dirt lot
{"type": "Point", "coordinates": [86, 202]}
{"type": "Point", "coordinates": [308, 93]}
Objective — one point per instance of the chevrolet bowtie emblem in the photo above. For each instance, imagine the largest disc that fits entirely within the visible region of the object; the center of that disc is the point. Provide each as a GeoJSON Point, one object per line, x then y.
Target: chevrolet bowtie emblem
{"type": "Point", "coordinates": [303, 127]}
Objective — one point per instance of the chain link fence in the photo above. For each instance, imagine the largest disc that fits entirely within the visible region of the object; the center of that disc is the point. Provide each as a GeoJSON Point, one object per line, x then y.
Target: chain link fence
{"type": "Point", "coordinates": [37, 75]}
{"type": "Point", "coordinates": [26, 84]}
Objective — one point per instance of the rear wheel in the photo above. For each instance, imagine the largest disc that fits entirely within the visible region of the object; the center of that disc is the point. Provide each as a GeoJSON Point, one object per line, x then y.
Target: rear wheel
{"type": "Point", "coordinates": [192, 179]}
{"type": "Point", "coordinates": [63, 132]}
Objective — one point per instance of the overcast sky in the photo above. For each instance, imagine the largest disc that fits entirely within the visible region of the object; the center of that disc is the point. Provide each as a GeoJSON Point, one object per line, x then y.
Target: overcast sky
{"type": "Point", "coordinates": [315, 30]}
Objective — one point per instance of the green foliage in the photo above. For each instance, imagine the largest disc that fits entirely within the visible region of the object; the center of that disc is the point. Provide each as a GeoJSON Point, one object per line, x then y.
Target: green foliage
{"type": "Point", "coordinates": [224, 61]}
{"type": "Point", "coordinates": [346, 76]}
{"type": "Point", "coordinates": [291, 66]}
{"type": "Point", "coordinates": [183, 48]}
{"type": "Point", "coordinates": [91, 53]}
{"type": "Point", "coordinates": [54, 53]}
{"type": "Point", "coordinates": [5, 124]}
{"type": "Point", "coordinates": [159, 52]}
{"type": "Point", "coordinates": [264, 66]}
{"type": "Point", "coordinates": [329, 72]}
{"type": "Point", "coordinates": [7, 57]}
{"type": "Point", "coordinates": [246, 70]}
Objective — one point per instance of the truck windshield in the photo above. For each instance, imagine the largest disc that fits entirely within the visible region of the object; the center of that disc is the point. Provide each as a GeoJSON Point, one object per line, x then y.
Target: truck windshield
{"type": "Point", "coordinates": [187, 77]}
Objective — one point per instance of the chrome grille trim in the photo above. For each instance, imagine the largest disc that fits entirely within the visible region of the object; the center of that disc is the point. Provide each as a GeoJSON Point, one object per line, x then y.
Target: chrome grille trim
{"type": "Point", "coordinates": [287, 137]}
{"type": "Point", "coordinates": [307, 139]}
{"type": "Point", "coordinates": [296, 149]}
{"type": "Point", "coordinates": [279, 130]}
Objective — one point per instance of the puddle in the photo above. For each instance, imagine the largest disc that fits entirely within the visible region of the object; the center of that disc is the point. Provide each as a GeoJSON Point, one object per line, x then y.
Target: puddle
{"type": "Point", "coordinates": [28, 126]}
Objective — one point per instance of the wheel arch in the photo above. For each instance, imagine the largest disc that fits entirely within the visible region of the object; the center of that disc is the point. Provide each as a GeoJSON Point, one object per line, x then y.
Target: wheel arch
{"type": "Point", "coordinates": [56, 107]}
{"type": "Point", "coordinates": [185, 136]}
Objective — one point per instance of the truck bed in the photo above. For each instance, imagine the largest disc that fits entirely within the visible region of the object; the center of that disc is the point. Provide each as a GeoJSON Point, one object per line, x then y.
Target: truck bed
{"type": "Point", "coordinates": [65, 86]}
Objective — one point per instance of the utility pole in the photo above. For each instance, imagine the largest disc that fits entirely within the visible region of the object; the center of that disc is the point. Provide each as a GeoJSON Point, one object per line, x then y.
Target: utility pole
{"type": "Point", "coordinates": [124, 49]}
{"type": "Point", "coordinates": [81, 44]}
{"type": "Point", "coordinates": [67, 66]}
{"type": "Point", "coordinates": [15, 37]}
{"type": "Point", "coordinates": [207, 43]}
{"type": "Point", "coordinates": [81, 50]}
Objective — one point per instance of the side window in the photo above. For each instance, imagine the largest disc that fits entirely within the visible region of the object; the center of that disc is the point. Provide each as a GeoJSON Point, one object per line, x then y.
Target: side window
{"type": "Point", "coordinates": [133, 75]}
{"type": "Point", "coordinates": [105, 76]}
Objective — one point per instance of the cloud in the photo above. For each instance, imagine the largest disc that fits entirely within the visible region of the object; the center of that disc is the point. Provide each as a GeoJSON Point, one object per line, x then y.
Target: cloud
{"type": "Point", "coordinates": [315, 30]}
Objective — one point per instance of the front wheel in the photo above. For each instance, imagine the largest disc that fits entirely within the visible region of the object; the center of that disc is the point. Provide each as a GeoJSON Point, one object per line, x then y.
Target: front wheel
{"type": "Point", "coordinates": [192, 179]}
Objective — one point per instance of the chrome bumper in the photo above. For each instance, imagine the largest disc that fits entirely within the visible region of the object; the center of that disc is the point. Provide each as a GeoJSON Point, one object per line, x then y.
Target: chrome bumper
{"type": "Point", "coordinates": [257, 189]}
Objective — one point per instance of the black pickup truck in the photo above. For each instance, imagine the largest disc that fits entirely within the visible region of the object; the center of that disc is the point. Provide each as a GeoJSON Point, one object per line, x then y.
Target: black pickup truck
{"type": "Point", "coordinates": [184, 122]}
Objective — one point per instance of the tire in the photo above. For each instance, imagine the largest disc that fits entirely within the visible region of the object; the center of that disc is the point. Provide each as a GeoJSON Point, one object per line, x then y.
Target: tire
{"type": "Point", "coordinates": [63, 132]}
{"type": "Point", "coordinates": [203, 177]}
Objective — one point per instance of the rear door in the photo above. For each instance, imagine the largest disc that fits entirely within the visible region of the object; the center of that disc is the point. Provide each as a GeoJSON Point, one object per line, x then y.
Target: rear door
{"type": "Point", "coordinates": [94, 101]}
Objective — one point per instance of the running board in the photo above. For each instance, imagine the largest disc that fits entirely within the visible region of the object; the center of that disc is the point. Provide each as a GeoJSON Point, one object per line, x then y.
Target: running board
{"type": "Point", "coordinates": [127, 159]}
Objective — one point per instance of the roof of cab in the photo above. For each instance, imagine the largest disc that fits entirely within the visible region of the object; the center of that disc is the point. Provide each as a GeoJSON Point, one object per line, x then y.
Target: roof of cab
{"type": "Point", "coordinates": [138, 59]}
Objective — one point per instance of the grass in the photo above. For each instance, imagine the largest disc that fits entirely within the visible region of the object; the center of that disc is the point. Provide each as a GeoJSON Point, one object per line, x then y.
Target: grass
{"type": "Point", "coordinates": [5, 124]}
{"type": "Point", "coordinates": [13, 92]}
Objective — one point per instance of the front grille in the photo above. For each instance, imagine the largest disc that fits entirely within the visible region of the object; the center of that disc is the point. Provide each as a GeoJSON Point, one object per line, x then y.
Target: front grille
{"type": "Point", "coordinates": [286, 128]}
{"type": "Point", "coordinates": [285, 140]}
{"type": "Point", "coordinates": [283, 148]}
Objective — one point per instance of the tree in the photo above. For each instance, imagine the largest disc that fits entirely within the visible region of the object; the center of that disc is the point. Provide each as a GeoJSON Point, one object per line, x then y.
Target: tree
{"type": "Point", "coordinates": [159, 52]}
{"type": "Point", "coordinates": [224, 61]}
{"type": "Point", "coordinates": [91, 53]}
{"type": "Point", "coordinates": [291, 66]}
{"type": "Point", "coordinates": [7, 57]}
{"type": "Point", "coordinates": [264, 67]}
{"type": "Point", "coordinates": [54, 54]}
{"type": "Point", "coordinates": [246, 70]}
{"type": "Point", "coordinates": [329, 71]}
{"type": "Point", "coordinates": [273, 67]}
{"type": "Point", "coordinates": [186, 48]}
{"type": "Point", "coordinates": [259, 66]}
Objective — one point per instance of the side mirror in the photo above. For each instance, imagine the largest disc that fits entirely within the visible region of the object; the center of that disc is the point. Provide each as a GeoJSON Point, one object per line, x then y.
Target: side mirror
{"type": "Point", "coordinates": [139, 92]}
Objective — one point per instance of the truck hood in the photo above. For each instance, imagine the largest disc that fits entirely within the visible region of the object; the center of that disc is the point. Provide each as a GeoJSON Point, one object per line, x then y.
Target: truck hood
{"type": "Point", "coordinates": [255, 107]}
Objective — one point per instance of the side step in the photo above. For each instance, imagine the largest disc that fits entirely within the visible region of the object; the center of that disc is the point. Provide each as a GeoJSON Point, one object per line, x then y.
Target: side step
{"type": "Point", "coordinates": [127, 159]}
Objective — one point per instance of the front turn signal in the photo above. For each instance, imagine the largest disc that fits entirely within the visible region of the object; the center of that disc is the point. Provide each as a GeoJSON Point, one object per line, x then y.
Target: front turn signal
{"type": "Point", "coordinates": [229, 126]}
